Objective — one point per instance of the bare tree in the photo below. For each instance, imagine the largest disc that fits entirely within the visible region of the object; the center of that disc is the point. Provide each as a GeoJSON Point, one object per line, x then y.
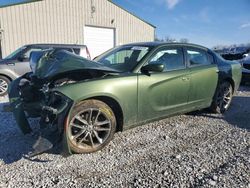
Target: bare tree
{"type": "Point", "coordinates": [184, 40]}
{"type": "Point", "coordinates": [169, 39]}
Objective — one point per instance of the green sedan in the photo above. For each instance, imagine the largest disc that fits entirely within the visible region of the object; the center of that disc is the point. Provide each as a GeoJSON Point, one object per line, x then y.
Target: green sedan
{"type": "Point", "coordinates": [83, 103]}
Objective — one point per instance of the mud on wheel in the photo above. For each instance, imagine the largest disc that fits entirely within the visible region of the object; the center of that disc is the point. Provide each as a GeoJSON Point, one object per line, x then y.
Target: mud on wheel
{"type": "Point", "coordinates": [91, 126]}
{"type": "Point", "coordinates": [222, 98]}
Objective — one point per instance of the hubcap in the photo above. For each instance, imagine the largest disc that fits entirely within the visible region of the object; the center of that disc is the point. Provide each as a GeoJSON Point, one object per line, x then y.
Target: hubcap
{"type": "Point", "coordinates": [3, 86]}
{"type": "Point", "coordinates": [224, 98]}
{"type": "Point", "coordinates": [89, 128]}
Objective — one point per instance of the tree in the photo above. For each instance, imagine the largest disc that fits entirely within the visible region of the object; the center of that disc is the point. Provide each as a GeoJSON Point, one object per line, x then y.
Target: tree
{"type": "Point", "coordinates": [169, 39]}
{"type": "Point", "coordinates": [184, 40]}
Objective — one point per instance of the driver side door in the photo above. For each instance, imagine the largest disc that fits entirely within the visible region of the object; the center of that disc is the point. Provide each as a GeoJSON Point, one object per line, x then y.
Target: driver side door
{"type": "Point", "coordinates": [163, 93]}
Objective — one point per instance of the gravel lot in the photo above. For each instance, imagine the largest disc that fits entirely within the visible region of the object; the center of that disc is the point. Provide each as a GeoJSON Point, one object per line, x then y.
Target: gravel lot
{"type": "Point", "coordinates": [194, 150]}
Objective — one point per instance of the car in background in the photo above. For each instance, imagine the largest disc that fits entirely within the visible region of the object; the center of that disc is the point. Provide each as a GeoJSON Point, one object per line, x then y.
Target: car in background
{"type": "Point", "coordinates": [233, 53]}
{"type": "Point", "coordinates": [245, 68]}
{"type": "Point", "coordinates": [83, 102]}
{"type": "Point", "coordinates": [17, 63]}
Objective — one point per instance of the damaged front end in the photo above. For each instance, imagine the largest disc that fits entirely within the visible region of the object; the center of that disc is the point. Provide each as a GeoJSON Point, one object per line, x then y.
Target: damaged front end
{"type": "Point", "coordinates": [35, 95]}
{"type": "Point", "coordinates": [31, 100]}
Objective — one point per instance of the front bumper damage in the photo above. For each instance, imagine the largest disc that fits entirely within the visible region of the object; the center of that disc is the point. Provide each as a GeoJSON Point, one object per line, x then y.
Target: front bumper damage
{"type": "Point", "coordinates": [51, 108]}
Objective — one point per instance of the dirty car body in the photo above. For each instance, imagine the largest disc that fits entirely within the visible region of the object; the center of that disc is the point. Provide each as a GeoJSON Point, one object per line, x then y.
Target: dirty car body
{"type": "Point", "coordinates": [85, 102]}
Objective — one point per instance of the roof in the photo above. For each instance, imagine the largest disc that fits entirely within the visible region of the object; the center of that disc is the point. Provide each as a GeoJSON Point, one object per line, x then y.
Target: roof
{"type": "Point", "coordinates": [132, 14]}
{"type": "Point", "coordinates": [153, 44]}
{"type": "Point", "coordinates": [57, 45]}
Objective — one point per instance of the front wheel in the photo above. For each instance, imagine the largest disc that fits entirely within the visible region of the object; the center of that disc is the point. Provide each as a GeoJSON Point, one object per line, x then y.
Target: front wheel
{"type": "Point", "coordinates": [4, 84]}
{"type": "Point", "coordinates": [222, 98]}
{"type": "Point", "coordinates": [91, 126]}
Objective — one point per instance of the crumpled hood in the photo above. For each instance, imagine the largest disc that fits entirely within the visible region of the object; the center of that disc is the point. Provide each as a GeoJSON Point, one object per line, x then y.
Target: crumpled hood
{"type": "Point", "coordinates": [49, 63]}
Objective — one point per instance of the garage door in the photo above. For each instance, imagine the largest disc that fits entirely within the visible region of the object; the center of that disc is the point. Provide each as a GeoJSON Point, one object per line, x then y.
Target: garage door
{"type": "Point", "coordinates": [98, 39]}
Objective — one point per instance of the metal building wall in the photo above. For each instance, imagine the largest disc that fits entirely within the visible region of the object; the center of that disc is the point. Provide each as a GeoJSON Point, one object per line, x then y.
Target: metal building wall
{"type": "Point", "coordinates": [128, 27]}
{"type": "Point", "coordinates": [63, 21]}
{"type": "Point", "coordinates": [47, 21]}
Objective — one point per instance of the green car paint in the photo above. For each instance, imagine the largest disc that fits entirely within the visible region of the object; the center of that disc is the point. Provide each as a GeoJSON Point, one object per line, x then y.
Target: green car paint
{"type": "Point", "coordinates": [115, 87]}
{"type": "Point", "coordinates": [141, 96]}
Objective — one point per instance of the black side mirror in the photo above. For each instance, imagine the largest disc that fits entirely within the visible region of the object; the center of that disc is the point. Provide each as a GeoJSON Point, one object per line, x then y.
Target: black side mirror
{"type": "Point", "coordinates": [152, 68]}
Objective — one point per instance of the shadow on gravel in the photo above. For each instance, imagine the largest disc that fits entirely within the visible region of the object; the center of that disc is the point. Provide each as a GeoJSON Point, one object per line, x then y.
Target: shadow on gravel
{"type": "Point", "coordinates": [238, 114]}
{"type": "Point", "coordinates": [13, 144]}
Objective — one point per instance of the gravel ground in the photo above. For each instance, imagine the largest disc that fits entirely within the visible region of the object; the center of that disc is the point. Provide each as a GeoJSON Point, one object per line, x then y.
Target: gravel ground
{"type": "Point", "coordinates": [194, 150]}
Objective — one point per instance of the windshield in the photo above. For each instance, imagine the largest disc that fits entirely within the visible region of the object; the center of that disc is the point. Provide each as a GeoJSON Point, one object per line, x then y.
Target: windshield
{"type": "Point", "coordinates": [123, 58]}
{"type": "Point", "coordinates": [13, 54]}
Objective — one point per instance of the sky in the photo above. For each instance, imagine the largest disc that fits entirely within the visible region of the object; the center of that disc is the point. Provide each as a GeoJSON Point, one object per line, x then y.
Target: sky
{"type": "Point", "coordinates": [205, 22]}
{"type": "Point", "coordinates": [7, 2]}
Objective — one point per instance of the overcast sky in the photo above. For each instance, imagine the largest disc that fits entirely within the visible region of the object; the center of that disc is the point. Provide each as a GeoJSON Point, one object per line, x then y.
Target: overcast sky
{"type": "Point", "coordinates": [206, 22]}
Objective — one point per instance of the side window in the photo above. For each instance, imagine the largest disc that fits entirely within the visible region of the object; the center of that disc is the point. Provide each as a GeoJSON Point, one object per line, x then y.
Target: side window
{"type": "Point", "coordinates": [197, 57]}
{"type": "Point", "coordinates": [171, 58]}
{"type": "Point", "coordinates": [26, 55]}
{"type": "Point", "coordinates": [76, 51]}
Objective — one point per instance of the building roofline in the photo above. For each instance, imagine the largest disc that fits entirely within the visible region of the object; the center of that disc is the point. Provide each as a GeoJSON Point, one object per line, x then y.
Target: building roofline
{"type": "Point", "coordinates": [33, 1]}
{"type": "Point", "coordinates": [132, 14]}
{"type": "Point", "coordinates": [20, 3]}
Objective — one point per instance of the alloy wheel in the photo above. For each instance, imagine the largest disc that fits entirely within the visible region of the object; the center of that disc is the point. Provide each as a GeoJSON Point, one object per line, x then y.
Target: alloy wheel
{"type": "Point", "coordinates": [89, 128]}
{"type": "Point", "coordinates": [3, 86]}
{"type": "Point", "coordinates": [224, 97]}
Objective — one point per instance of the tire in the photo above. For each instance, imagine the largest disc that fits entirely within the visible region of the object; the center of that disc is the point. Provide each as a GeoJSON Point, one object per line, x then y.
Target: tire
{"type": "Point", "coordinates": [91, 127]}
{"type": "Point", "coordinates": [222, 98]}
{"type": "Point", "coordinates": [4, 85]}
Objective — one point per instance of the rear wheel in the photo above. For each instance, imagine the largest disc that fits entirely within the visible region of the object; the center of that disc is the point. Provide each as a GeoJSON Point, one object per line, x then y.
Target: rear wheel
{"type": "Point", "coordinates": [4, 84]}
{"type": "Point", "coordinates": [91, 126]}
{"type": "Point", "coordinates": [222, 98]}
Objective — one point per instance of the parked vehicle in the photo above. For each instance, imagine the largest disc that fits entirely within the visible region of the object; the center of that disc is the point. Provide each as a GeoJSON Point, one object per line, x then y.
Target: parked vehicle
{"type": "Point", "coordinates": [234, 53]}
{"type": "Point", "coordinates": [17, 63]}
{"type": "Point", "coordinates": [245, 69]}
{"type": "Point", "coordinates": [86, 102]}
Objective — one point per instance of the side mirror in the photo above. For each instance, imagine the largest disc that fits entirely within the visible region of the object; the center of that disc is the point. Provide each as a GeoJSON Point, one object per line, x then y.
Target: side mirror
{"type": "Point", "coordinates": [152, 68]}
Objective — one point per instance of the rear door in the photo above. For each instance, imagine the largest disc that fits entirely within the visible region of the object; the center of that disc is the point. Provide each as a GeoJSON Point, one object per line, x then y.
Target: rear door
{"type": "Point", "coordinates": [203, 76]}
{"type": "Point", "coordinates": [160, 94]}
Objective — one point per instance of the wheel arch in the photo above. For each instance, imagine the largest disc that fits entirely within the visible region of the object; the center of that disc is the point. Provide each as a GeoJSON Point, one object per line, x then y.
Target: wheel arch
{"type": "Point", "coordinates": [4, 75]}
{"type": "Point", "coordinates": [116, 108]}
